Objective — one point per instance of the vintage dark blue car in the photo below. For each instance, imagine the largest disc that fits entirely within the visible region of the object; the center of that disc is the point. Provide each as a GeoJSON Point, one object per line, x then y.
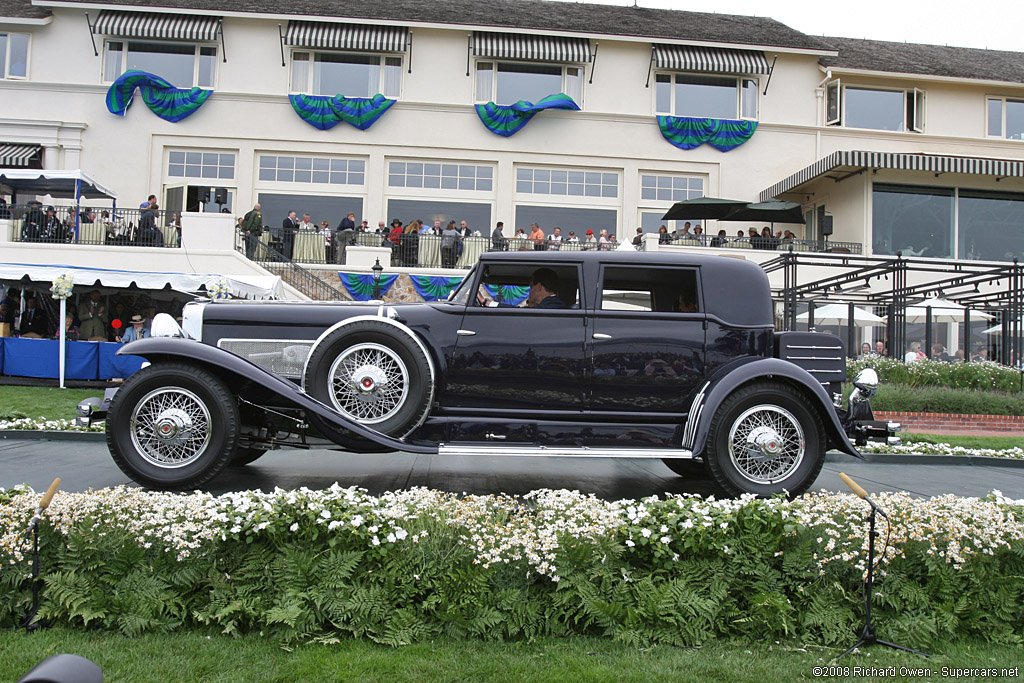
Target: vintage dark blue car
{"type": "Point", "coordinates": [638, 355]}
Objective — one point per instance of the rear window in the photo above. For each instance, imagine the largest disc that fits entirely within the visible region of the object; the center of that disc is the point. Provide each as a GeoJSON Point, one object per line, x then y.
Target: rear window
{"type": "Point", "coordinates": [644, 288]}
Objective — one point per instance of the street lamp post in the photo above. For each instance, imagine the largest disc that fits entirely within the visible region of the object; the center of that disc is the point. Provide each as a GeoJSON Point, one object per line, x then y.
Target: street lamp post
{"type": "Point", "coordinates": [378, 270]}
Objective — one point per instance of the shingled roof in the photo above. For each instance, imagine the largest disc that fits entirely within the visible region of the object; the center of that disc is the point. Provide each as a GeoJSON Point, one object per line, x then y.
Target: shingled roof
{"type": "Point", "coordinates": [22, 9]}
{"type": "Point", "coordinates": [544, 15]}
{"type": "Point", "coordinates": [929, 60]}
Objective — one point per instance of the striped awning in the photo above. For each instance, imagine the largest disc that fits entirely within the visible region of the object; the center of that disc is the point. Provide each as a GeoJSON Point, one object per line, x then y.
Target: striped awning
{"type": "Point", "coordinates": [532, 47]}
{"type": "Point", "coordinates": [853, 161]}
{"type": "Point", "coordinates": [362, 37]}
{"type": "Point", "coordinates": [710, 59]}
{"type": "Point", "coordinates": [162, 26]}
{"type": "Point", "coordinates": [18, 156]}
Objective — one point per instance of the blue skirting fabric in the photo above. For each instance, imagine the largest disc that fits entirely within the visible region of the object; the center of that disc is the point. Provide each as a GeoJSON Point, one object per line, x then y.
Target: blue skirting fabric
{"type": "Point", "coordinates": [723, 134]}
{"type": "Point", "coordinates": [434, 288]}
{"type": "Point", "coordinates": [163, 99]}
{"type": "Point", "coordinates": [327, 111]}
{"type": "Point", "coordinates": [507, 120]}
{"type": "Point", "coordinates": [21, 357]}
{"type": "Point", "coordinates": [360, 285]}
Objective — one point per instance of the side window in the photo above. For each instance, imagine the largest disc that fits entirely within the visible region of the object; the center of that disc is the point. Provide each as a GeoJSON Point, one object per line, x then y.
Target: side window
{"type": "Point", "coordinates": [512, 285]}
{"type": "Point", "coordinates": [650, 289]}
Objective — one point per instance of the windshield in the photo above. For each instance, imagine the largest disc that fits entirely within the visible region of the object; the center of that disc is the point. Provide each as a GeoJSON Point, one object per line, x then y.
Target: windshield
{"type": "Point", "coordinates": [461, 293]}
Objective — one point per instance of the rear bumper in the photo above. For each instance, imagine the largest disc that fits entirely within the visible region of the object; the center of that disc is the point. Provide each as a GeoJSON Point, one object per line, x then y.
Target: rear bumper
{"type": "Point", "coordinates": [94, 410]}
{"type": "Point", "coordinates": [880, 431]}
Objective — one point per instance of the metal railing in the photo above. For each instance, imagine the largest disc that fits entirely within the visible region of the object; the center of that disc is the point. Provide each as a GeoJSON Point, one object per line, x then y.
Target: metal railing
{"type": "Point", "coordinates": [123, 227]}
{"type": "Point", "coordinates": [764, 243]}
{"type": "Point", "coordinates": [307, 282]}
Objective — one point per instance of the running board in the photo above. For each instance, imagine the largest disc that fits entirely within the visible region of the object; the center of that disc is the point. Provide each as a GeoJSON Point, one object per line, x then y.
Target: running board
{"type": "Point", "coordinates": [566, 451]}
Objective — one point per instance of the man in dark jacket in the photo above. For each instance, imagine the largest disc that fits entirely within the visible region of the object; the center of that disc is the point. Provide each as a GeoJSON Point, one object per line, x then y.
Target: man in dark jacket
{"type": "Point", "coordinates": [252, 229]}
{"type": "Point", "coordinates": [498, 242]}
{"type": "Point", "coordinates": [289, 228]}
{"type": "Point", "coordinates": [33, 320]}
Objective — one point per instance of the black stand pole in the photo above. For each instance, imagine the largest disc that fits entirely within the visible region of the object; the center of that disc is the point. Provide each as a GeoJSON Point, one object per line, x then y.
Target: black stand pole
{"type": "Point", "coordinates": [867, 635]}
{"type": "Point", "coordinates": [30, 624]}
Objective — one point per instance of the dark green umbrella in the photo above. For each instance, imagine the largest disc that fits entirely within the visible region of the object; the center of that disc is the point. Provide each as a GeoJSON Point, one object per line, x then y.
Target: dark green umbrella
{"type": "Point", "coordinates": [771, 211]}
{"type": "Point", "coordinates": [702, 207]}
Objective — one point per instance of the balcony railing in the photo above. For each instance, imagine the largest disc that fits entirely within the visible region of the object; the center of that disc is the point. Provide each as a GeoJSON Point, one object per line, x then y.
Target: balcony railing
{"type": "Point", "coordinates": [764, 243]}
{"type": "Point", "coordinates": [60, 225]}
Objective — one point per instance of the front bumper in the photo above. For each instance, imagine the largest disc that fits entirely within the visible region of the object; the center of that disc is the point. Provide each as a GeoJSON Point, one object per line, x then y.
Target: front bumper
{"type": "Point", "coordinates": [93, 410]}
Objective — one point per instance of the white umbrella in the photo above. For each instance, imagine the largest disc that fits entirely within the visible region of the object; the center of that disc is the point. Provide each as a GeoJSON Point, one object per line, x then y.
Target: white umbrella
{"type": "Point", "coordinates": [998, 329]}
{"type": "Point", "coordinates": [943, 311]}
{"type": "Point", "coordinates": [839, 314]}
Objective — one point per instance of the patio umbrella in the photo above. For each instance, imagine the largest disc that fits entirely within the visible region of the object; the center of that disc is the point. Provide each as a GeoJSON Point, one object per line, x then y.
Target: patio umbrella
{"type": "Point", "coordinates": [943, 311]}
{"type": "Point", "coordinates": [771, 211]}
{"type": "Point", "coordinates": [998, 329]}
{"type": "Point", "coordinates": [702, 207]}
{"type": "Point", "coordinates": [839, 314]}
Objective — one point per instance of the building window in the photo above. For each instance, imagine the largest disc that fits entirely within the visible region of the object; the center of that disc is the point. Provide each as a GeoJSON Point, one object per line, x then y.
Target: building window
{"type": "Point", "coordinates": [717, 97]}
{"type": "Point", "coordinates": [506, 83]}
{"type": "Point", "coordinates": [219, 165]}
{"type": "Point", "coordinates": [341, 73]}
{"type": "Point", "coordinates": [1006, 118]}
{"type": "Point", "coordinates": [913, 221]}
{"type": "Point", "coordinates": [567, 183]}
{"type": "Point", "coordinates": [440, 176]}
{"type": "Point", "coordinates": [874, 108]}
{"type": "Point", "coordinates": [181, 64]}
{"type": "Point", "coordinates": [990, 225]}
{"type": "Point", "coordinates": [315, 170]}
{"type": "Point", "coordinates": [13, 55]}
{"type": "Point", "coordinates": [656, 190]}
{"type": "Point", "coordinates": [570, 219]}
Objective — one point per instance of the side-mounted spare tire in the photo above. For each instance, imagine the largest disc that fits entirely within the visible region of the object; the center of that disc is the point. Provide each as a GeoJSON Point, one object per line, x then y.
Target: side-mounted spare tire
{"type": "Point", "coordinates": [373, 373]}
{"type": "Point", "coordinates": [766, 438]}
{"type": "Point", "coordinates": [172, 426]}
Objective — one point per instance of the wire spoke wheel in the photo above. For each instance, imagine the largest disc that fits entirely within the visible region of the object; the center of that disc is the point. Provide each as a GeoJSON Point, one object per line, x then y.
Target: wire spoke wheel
{"type": "Point", "coordinates": [369, 383]}
{"type": "Point", "coordinates": [766, 443]}
{"type": "Point", "coordinates": [170, 427]}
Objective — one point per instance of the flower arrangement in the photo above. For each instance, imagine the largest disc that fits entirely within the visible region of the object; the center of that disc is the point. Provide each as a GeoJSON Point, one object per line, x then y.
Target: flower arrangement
{"type": "Point", "coordinates": [219, 290]}
{"type": "Point", "coordinates": [62, 286]}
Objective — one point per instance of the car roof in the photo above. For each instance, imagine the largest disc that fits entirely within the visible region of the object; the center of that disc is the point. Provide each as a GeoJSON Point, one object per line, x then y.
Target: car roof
{"type": "Point", "coordinates": [626, 257]}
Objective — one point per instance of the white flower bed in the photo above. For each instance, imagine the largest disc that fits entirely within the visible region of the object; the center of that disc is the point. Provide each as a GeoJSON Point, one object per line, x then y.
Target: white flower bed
{"type": "Point", "coordinates": [522, 531]}
{"type": "Point", "coordinates": [41, 424]}
{"type": "Point", "coordinates": [943, 449]}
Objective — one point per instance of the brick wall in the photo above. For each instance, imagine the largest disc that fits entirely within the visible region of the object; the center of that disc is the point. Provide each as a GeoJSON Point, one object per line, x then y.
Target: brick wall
{"type": "Point", "coordinates": [953, 422]}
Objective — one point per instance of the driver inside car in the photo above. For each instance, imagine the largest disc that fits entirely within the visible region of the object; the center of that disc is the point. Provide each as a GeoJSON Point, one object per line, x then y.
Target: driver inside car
{"type": "Point", "coordinates": [543, 288]}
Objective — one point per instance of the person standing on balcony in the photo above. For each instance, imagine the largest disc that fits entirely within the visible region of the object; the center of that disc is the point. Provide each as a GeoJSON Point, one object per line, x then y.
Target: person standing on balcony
{"type": "Point", "coordinates": [537, 237]}
{"type": "Point", "coordinates": [92, 314]}
{"type": "Point", "coordinates": [498, 242]}
{"type": "Point", "coordinates": [306, 223]}
{"type": "Point", "coordinates": [289, 226]}
{"type": "Point", "coordinates": [252, 228]}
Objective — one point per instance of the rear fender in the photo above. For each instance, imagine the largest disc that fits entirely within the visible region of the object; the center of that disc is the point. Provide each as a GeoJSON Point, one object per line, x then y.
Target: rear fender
{"type": "Point", "coordinates": [732, 377]}
{"type": "Point", "coordinates": [155, 349]}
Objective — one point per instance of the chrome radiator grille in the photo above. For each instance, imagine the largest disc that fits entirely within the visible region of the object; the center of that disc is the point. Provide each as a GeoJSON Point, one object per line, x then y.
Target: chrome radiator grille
{"type": "Point", "coordinates": [282, 357]}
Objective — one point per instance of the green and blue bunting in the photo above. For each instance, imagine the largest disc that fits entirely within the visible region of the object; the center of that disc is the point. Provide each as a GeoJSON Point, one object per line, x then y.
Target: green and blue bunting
{"type": "Point", "coordinates": [506, 120]}
{"type": "Point", "coordinates": [360, 285]}
{"type": "Point", "coordinates": [688, 132]}
{"type": "Point", "coordinates": [326, 111]}
{"type": "Point", "coordinates": [434, 288]}
{"type": "Point", "coordinates": [509, 294]}
{"type": "Point", "coordinates": [163, 99]}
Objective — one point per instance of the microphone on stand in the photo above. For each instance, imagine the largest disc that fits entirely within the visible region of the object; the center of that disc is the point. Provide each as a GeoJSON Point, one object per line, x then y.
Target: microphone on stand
{"type": "Point", "coordinates": [861, 493]}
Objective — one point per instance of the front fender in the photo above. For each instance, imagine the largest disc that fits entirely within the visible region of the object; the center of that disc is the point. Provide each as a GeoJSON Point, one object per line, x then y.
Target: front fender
{"type": "Point", "coordinates": [156, 348]}
{"type": "Point", "coordinates": [735, 375]}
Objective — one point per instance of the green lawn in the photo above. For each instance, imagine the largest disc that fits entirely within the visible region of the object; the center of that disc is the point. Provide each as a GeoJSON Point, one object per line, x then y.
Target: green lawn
{"type": "Point", "coordinates": [197, 657]}
{"type": "Point", "coordinates": [50, 403]}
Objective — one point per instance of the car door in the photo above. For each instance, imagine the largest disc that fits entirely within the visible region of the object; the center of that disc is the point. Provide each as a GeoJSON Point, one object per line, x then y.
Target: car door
{"type": "Point", "coordinates": [517, 362]}
{"type": "Point", "coordinates": [647, 340]}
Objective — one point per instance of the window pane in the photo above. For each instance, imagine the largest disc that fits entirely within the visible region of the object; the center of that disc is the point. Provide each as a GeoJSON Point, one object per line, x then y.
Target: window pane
{"type": "Point", "coordinates": [991, 225]}
{"type": "Point", "coordinates": [914, 221]}
{"type": "Point", "coordinates": [995, 117]}
{"type": "Point", "coordinates": [207, 66]}
{"type": "Point", "coordinates": [357, 165]}
{"type": "Point", "coordinates": [748, 108]}
{"type": "Point", "coordinates": [176, 170]}
{"type": "Point", "coordinates": [174, 63]}
{"type": "Point", "coordinates": [300, 71]}
{"type": "Point", "coordinates": [268, 174]}
{"type": "Point", "coordinates": [176, 157]}
{"type": "Point", "coordinates": [569, 219]}
{"type": "Point", "coordinates": [348, 75]}
{"type": "Point", "coordinates": [1014, 120]}
{"type": "Point", "coordinates": [708, 96]}
{"type": "Point", "coordinates": [874, 109]}
{"type": "Point", "coordinates": [3, 55]}
{"type": "Point", "coordinates": [193, 158]}
{"type": "Point", "coordinates": [112, 63]}
{"type": "Point", "coordinates": [392, 77]}
{"type": "Point", "coordinates": [18, 65]}
{"type": "Point", "coordinates": [484, 81]}
{"type": "Point", "coordinates": [663, 94]}
{"type": "Point", "coordinates": [304, 163]}
{"type": "Point", "coordinates": [832, 104]}
{"type": "Point", "coordinates": [530, 82]}
{"type": "Point", "coordinates": [574, 84]}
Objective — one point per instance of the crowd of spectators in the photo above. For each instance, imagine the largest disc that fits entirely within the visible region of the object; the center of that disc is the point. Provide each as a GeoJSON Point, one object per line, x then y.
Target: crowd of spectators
{"type": "Point", "coordinates": [93, 317]}
{"type": "Point", "coordinates": [51, 224]}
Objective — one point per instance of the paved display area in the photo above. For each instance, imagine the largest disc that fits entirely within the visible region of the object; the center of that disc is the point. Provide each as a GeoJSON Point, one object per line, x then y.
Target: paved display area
{"type": "Point", "coordinates": [84, 465]}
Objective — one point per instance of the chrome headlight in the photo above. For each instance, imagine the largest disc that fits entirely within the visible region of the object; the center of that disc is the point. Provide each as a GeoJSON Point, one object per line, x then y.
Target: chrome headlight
{"type": "Point", "coordinates": [865, 386]}
{"type": "Point", "coordinates": [165, 326]}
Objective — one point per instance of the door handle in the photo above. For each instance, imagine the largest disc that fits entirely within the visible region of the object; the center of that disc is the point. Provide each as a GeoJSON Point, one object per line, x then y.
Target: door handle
{"type": "Point", "coordinates": [598, 335]}
{"type": "Point", "coordinates": [465, 333]}
{"type": "Point", "coordinates": [491, 436]}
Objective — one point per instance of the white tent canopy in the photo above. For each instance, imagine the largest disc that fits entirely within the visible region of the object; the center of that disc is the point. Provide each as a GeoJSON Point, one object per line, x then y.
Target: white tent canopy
{"type": "Point", "coordinates": [943, 311]}
{"type": "Point", "coordinates": [242, 286]}
{"type": "Point", "coordinates": [839, 314]}
{"type": "Point", "coordinates": [998, 329]}
{"type": "Point", "coordinates": [64, 184]}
